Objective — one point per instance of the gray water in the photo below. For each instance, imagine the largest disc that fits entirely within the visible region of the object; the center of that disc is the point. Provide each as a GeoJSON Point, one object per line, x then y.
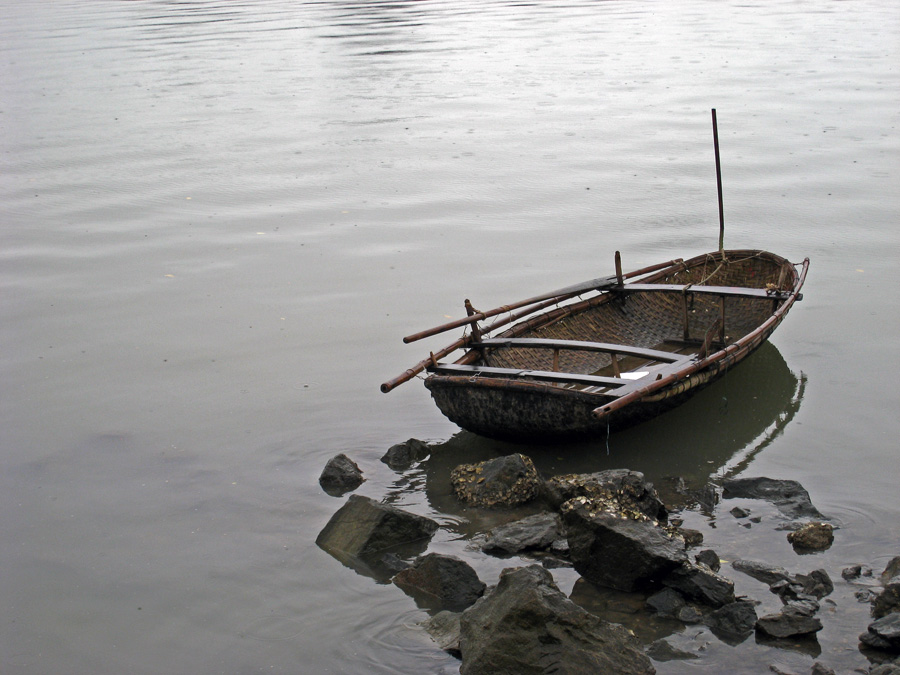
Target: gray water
{"type": "Point", "coordinates": [217, 220]}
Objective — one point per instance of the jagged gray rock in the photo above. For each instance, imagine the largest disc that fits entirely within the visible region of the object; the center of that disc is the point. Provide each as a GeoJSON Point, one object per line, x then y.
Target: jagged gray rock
{"type": "Point", "coordinates": [794, 620]}
{"type": "Point", "coordinates": [883, 633]}
{"type": "Point", "coordinates": [533, 533]}
{"type": "Point", "coordinates": [621, 553]}
{"type": "Point", "coordinates": [528, 627]}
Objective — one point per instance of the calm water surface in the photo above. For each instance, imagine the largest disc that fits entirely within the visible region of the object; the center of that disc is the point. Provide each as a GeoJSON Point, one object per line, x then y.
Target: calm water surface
{"type": "Point", "coordinates": [217, 219]}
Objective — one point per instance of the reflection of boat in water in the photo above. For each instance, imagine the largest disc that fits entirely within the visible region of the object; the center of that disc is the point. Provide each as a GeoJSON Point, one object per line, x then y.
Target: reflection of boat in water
{"type": "Point", "coordinates": [716, 432]}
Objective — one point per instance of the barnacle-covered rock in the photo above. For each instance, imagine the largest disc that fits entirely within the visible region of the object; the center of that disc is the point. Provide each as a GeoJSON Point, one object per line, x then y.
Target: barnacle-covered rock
{"type": "Point", "coordinates": [496, 483]}
{"type": "Point", "coordinates": [619, 490]}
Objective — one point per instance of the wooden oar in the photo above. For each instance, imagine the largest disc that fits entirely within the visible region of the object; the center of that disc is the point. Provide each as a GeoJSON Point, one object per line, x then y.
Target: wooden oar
{"type": "Point", "coordinates": [561, 294]}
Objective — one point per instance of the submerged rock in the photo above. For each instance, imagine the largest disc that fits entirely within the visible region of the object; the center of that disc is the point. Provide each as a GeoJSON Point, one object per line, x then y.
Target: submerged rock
{"type": "Point", "coordinates": [534, 533]}
{"type": "Point", "coordinates": [812, 537]}
{"type": "Point", "coordinates": [505, 481]}
{"type": "Point", "coordinates": [403, 455]}
{"type": "Point", "coordinates": [622, 490]}
{"type": "Point", "coordinates": [789, 496]}
{"type": "Point", "coordinates": [439, 582]}
{"type": "Point", "coordinates": [443, 628]}
{"type": "Point", "coordinates": [526, 625]}
{"type": "Point", "coordinates": [611, 550]}
{"type": "Point", "coordinates": [340, 475]}
{"type": "Point", "coordinates": [364, 533]}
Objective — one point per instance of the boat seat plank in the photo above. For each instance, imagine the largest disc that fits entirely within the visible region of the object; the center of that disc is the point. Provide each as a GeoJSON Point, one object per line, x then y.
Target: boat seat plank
{"type": "Point", "coordinates": [728, 291]}
{"type": "Point", "coordinates": [541, 343]}
{"type": "Point", "coordinates": [544, 375]}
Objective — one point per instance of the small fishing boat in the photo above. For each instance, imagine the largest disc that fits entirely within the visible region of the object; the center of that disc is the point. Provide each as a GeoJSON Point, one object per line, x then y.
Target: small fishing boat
{"type": "Point", "coordinates": [610, 352]}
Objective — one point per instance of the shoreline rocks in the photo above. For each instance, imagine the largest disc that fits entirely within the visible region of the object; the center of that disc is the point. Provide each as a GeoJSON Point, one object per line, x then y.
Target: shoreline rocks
{"type": "Point", "coordinates": [340, 475]}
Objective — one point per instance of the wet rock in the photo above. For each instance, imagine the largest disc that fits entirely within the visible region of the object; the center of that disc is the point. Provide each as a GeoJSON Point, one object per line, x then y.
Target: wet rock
{"type": "Point", "coordinates": [817, 583]}
{"type": "Point", "coordinates": [884, 633]}
{"type": "Point", "coordinates": [439, 581]}
{"type": "Point", "coordinates": [363, 533]}
{"type": "Point", "coordinates": [443, 628]}
{"type": "Point", "coordinates": [812, 537]}
{"type": "Point", "coordinates": [691, 538]}
{"type": "Point", "coordinates": [663, 651]}
{"type": "Point", "coordinates": [666, 602]}
{"type": "Point", "coordinates": [527, 626]}
{"type": "Point", "coordinates": [891, 570]}
{"type": "Point", "coordinates": [796, 619]}
{"type": "Point", "coordinates": [787, 495]}
{"type": "Point", "coordinates": [403, 455]}
{"type": "Point", "coordinates": [888, 600]}
{"type": "Point", "coordinates": [623, 490]}
{"type": "Point", "coordinates": [534, 533]}
{"type": "Point", "coordinates": [502, 482]}
{"type": "Point", "coordinates": [855, 572]}
{"type": "Point", "coordinates": [738, 512]}
{"type": "Point", "coordinates": [690, 615]}
{"type": "Point", "coordinates": [709, 558]}
{"type": "Point", "coordinates": [615, 551]}
{"type": "Point", "coordinates": [819, 669]}
{"type": "Point", "coordinates": [340, 475]}
{"type": "Point", "coordinates": [701, 584]}
{"type": "Point", "coordinates": [733, 622]}
{"type": "Point", "coordinates": [886, 669]}
{"type": "Point", "coordinates": [768, 574]}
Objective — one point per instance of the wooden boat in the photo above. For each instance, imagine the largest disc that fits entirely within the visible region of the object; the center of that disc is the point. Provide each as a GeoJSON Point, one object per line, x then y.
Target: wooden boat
{"type": "Point", "coordinates": [606, 354]}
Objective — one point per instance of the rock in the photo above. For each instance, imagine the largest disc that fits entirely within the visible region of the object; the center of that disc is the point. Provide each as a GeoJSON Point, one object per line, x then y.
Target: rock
{"type": "Point", "coordinates": [363, 532]}
{"type": "Point", "coordinates": [443, 628]}
{"type": "Point", "coordinates": [527, 626]}
{"type": "Point", "coordinates": [768, 574]}
{"type": "Point", "coordinates": [701, 584]}
{"type": "Point", "coordinates": [534, 533]}
{"type": "Point", "coordinates": [340, 475]}
{"type": "Point", "coordinates": [691, 538]}
{"type": "Point", "coordinates": [734, 622]}
{"type": "Point", "coordinates": [819, 669]}
{"type": "Point", "coordinates": [794, 620]}
{"type": "Point", "coordinates": [891, 570]}
{"type": "Point", "coordinates": [812, 537]}
{"type": "Point", "coordinates": [888, 600]}
{"type": "Point", "coordinates": [403, 455]}
{"type": "Point", "coordinates": [816, 583]}
{"type": "Point", "coordinates": [617, 552]}
{"type": "Point", "coordinates": [623, 490]}
{"type": "Point", "coordinates": [738, 512]}
{"type": "Point", "coordinates": [663, 651]}
{"type": "Point", "coordinates": [788, 495]}
{"type": "Point", "coordinates": [709, 558]}
{"type": "Point", "coordinates": [855, 572]}
{"type": "Point", "coordinates": [505, 481]}
{"type": "Point", "coordinates": [439, 582]}
{"type": "Point", "coordinates": [666, 602]}
{"type": "Point", "coordinates": [884, 633]}
{"type": "Point", "coordinates": [886, 669]}
{"type": "Point", "coordinates": [689, 614]}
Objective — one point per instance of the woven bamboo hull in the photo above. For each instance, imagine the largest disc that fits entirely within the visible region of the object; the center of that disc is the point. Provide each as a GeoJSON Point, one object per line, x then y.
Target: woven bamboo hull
{"type": "Point", "coordinates": [519, 408]}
